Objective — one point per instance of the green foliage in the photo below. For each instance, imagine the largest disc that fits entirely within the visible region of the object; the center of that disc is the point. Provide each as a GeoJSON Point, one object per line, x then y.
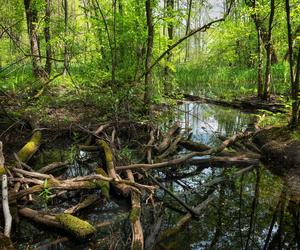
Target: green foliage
{"type": "Point", "coordinates": [46, 193]}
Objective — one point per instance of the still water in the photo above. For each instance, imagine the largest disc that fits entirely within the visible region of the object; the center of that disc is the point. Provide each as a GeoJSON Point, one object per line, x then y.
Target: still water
{"type": "Point", "coordinates": [256, 210]}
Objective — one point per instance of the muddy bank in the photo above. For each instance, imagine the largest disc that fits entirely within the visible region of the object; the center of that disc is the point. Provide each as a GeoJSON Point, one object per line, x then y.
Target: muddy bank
{"type": "Point", "coordinates": [280, 148]}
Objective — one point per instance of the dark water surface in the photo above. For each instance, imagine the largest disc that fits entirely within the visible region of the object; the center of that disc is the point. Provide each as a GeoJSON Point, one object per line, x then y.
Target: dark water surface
{"type": "Point", "coordinates": [256, 210]}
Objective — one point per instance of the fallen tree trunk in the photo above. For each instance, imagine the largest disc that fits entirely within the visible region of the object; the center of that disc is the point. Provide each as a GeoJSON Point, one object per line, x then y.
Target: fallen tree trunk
{"type": "Point", "coordinates": [123, 188]}
{"type": "Point", "coordinates": [194, 146]}
{"type": "Point", "coordinates": [77, 227]}
{"type": "Point", "coordinates": [30, 147]}
{"type": "Point", "coordinates": [223, 161]}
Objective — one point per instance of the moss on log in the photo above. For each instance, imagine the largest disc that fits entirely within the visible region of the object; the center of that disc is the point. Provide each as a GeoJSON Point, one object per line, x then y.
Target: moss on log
{"type": "Point", "coordinates": [30, 147]}
{"type": "Point", "coordinates": [104, 185]}
{"type": "Point", "coordinates": [76, 226]}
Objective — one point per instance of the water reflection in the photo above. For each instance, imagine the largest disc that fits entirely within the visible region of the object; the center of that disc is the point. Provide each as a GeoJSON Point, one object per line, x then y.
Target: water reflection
{"type": "Point", "coordinates": [206, 121]}
{"type": "Point", "coordinates": [257, 210]}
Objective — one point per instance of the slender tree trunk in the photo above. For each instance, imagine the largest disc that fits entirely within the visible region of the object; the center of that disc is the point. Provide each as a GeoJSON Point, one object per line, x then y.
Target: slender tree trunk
{"type": "Point", "coordinates": [47, 37]}
{"type": "Point", "coordinates": [294, 84]}
{"type": "Point", "coordinates": [32, 20]}
{"type": "Point", "coordinates": [260, 65]}
{"type": "Point", "coordinates": [148, 74]}
{"type": "Point", "coordinates": [66, 61]}
{"type": "Point", "coordinates": [114, 54]}
{"type": "Point", "coordinates": [187, 30]}
{"type": "Point", "coordinates": [167, 82]}
{"type": "Point", "coordinates": [269, 54]}
{"type": "Point", "coordinates": [297, 82]}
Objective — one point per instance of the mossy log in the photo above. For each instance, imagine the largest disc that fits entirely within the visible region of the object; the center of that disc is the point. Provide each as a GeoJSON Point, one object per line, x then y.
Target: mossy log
{"type": "Point", "coordinates": [30, 147]}
{"type": "Point", "coordinates": [123, 188]}
{"type": "Point", "coordinates": [77, 227]}
{"type": "Point", "coordinates": [104, 185]}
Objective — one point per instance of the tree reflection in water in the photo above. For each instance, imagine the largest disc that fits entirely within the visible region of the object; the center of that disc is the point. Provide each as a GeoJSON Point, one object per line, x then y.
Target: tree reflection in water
{"type": "Point", "coordinates": [257, 210]}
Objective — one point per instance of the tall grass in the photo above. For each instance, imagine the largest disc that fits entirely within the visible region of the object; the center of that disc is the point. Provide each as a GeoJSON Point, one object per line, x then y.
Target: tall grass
{"type": "Point", "coordinates": [227, 82]}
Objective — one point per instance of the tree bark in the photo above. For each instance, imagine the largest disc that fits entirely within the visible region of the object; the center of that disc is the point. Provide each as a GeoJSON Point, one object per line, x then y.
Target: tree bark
{"type": "Point", "coordinates": [32, 20]}
{"type": "Point", "coordinates": [266, 95]}
{"type": "Point", "coordinates": [150, 39]}
{"type": "Point", "coordinates": [66, 61]}
{"type": "Point", "coordinates": [47, 37]}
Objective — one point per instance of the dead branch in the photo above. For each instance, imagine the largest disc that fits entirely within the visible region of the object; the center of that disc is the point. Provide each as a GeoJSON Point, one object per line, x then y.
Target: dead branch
{"type": "Point", "coordinates": [52, 166]}
{"type": "Point", "coordinates": [182, 159]}
{"type": "Point", "coordinates": [167, 139]}
{"type": "Point", "coordinates": [137, 241]}
{"type": "Point", "coordinates": [85, 203]}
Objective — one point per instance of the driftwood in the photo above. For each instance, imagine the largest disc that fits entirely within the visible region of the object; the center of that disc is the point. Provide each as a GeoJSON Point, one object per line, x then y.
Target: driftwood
{"type": "Point", "coordinates": [167, 138]}
{"type": "Point", "coordinates": [79, 228]}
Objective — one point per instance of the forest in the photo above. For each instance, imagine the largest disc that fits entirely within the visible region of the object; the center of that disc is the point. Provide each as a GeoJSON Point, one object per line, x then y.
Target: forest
{"type": "Point", "coordinates": [149, 124]}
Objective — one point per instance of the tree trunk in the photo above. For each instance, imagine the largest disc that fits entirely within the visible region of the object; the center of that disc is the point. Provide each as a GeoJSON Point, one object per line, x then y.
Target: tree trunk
{"type": "Point", "coordinates": [269, 54]}
{"type": "Point", "coordinates": [167, 82]}
{"type": "Point", "coordinates": [66, 61]}
{"type": "Point", "coordinates": [148, 74]}
{"type": "Point", "coordinates": [188, 24]}
{"type": "Point", "coordinates": [47, 37]}
{"type": "Point", "coordinates": [32, 20]}
{"type": "Point", "coordinates": [294, 84]}
{"type": "Point", "coordinates": [260, 64]}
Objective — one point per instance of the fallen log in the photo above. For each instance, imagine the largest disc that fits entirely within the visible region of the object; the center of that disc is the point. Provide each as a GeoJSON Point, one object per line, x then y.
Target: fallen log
{"type": "Point", "coordinates": [123, 188]}
{"type": "Point", "coordinates": [30, 147]}
{"type": "Point", "coordinates": [77, 227]}
{"type": "Point", "coordinates": [224, 161]}
{"type": "Point", "coordinates": [193, 146]}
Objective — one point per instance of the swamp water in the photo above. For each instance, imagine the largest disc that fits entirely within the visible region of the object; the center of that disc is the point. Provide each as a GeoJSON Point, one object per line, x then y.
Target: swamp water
{"type": "Point", "coordinates": [253, 211]}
